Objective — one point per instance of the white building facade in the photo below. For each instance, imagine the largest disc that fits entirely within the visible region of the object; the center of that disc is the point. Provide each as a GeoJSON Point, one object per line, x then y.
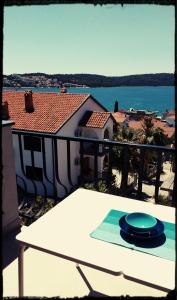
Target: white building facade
{"type": "Point", "coordinates": [57, 171]}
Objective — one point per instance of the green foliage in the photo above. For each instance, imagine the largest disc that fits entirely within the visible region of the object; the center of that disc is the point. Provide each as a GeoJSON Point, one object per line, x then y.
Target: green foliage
{"type": "Point", "coordinates": [153, 135]}
{"type": "Point", "coordinates": [149, 134]}
{"type": "Point", "coordinates": [162, 200]}
{"type": "Point", "coordinates": [101, 186]}
{"type": "Point", "coordinates": [93, 80]}
{"type": "Point", "coordinates": [111, 181]}
{"type": "Point", "coordinates": [159, 137]}
{"type": "Point", "coordinates": [40, 203]}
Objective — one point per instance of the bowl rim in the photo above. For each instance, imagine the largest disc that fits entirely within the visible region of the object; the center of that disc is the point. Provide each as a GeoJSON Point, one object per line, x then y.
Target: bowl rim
{"type": "Point", "coordinates": [138, 227]}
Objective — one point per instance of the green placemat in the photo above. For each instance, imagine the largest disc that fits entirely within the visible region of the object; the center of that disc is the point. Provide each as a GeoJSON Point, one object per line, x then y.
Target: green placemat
{"type": "Point", "coordinates": [110, 231]}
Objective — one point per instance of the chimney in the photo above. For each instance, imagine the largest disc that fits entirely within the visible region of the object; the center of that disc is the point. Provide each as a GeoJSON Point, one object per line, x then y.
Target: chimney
{"type": "Point", "coordinates": [5, 111]}
{"type": "Point", "coordinates": [29, 101]}
{"type": "Point", "coordinates": [63, 90]}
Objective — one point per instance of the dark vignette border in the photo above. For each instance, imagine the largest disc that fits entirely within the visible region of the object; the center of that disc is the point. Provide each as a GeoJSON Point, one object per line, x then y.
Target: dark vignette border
{"type": "Point", "coordinates": [171, 294]}
{"type": "Point", "coordinates": [95, 2]}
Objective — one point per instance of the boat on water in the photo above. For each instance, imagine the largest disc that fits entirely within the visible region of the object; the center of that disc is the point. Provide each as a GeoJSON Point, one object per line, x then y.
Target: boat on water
{"type": "Point", "coordinates": [144, 112]}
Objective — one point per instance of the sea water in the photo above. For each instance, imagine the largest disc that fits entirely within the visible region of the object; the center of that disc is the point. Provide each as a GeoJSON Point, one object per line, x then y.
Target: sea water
{"type": "Point", "coordinates": [156, 98]}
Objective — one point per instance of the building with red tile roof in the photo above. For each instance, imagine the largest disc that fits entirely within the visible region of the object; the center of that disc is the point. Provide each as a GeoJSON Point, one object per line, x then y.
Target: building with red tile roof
{"type": "Point", "coordinates": [171, 117]}
{"type": "Point", "coordinates": [50, 110]}
{"type": "Point", "coordinates": [170, 112]}
{"type": "Point", "coordinates": [168, 131]}
{"type": "Point", "coordinates": [135, 124]}
{"type": "Point", "coordinates": [126, 121]}
{"type": "Point", "coordinates": [61, 114]}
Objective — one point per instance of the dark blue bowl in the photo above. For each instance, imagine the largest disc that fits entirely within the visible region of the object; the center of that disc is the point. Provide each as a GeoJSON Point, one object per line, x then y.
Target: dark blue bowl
{"type": "Point", "coordinates": [155, 232]}
{"type": "Point", "coordinates": [140, 222]}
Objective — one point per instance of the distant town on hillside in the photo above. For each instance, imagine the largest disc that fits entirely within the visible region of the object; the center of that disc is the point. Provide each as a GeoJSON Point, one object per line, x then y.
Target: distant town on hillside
{"type": "Point", "coordinates": [86, 80]}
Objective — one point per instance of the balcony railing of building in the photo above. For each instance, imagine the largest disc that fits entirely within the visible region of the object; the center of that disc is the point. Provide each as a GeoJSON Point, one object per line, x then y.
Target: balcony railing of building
{"type": "Point", "coordinates": [143, 162]}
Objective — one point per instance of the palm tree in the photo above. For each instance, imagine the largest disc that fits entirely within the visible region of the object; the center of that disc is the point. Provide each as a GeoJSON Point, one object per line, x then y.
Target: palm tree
{"type": "Point", "coordinates": [132, 164]}
{"type": "Point", "coordinates": [147, 135]}
{"type": "Point", "coordinates": [152, 136]}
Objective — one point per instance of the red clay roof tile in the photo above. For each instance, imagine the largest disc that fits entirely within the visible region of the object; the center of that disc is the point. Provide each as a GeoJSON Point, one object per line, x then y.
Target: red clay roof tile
{"type": "Point", "coordinates": [94, 119]}
{"type": "Point", "coordinates": [51, 110]}
{"type": "Point", "coordinates": [169, 131]}
{"type": "Point", "coordinates": [119, 117]}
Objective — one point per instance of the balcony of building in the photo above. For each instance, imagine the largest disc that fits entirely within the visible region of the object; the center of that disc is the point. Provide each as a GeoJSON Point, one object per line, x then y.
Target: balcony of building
{"type": "Point", "coordinates": [115, 172]}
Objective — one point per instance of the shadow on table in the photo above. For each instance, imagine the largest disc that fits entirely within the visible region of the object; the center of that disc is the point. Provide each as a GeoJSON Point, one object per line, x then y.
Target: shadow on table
{"type": "Point", "coordinates": [150, 243]}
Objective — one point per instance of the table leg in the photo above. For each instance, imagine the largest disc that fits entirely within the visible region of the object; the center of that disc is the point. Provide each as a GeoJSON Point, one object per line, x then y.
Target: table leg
{"type": "Point", "coordinates": [20, 271]}
{"type": "Point", "coordinates": [92, 292]}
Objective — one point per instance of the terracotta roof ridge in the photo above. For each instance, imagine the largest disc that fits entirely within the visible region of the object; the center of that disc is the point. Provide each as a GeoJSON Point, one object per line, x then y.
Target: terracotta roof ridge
{"type": "Point", "coordinates": [102, 112]}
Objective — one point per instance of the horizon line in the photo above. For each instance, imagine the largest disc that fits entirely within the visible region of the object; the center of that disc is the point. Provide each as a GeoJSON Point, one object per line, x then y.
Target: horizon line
{"type": "Point", "coordinates": [89, 74]}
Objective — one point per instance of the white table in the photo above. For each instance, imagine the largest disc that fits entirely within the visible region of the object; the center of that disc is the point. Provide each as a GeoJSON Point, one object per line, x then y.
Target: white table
{"type": "Point", "coordinates": [65, 232]}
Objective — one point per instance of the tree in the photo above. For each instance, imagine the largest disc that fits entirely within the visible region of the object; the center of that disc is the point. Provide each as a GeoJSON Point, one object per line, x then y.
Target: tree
{"type": "Point", "coordinates": [116, 108]}
{"type": "Point", "coordinates": [147, 135]}
{"type": "Point", "coordinates": [152, 135]}
{"type": "Point", "coordinates": [132, 165]}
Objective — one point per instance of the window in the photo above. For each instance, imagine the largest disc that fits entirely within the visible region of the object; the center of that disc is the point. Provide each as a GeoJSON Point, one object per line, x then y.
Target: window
{"type": "Point", "coordinates": [106, 134]}
{"type": "Point", "coordinates": [32, 143]}
{"type": "Point", "coordinates": [34, 173]}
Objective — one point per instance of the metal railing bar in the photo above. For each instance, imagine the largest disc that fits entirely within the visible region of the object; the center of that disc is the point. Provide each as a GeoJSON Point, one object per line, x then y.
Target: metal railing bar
{"type": "Point", "coordinates": [25, 188]}
{"type": "Point", "coordinates": [21, 155]}
{"type": "Point", "coordinates": [32, 158]}
{"type": "Point", "coordinates": [22, 163]}
{"type": "Point", "coordinates": [54, 176]}
{"type": "Point", "coordinates": [56, 167]}
{"type": "Point", "coordinates": [174, 192]}
{"type": "Point", "coordinates": [32, 162]}
{"type": "Point", "coordinates": [125, 162]}
{"type": "Point", "coordinates": [69, 163]}
{"type": "Point", "coordinates": [81, 162]}
{"type": "Point", "coordinates": [33, 165]}
{"type": "Point", "coordinates": [44, 162]}
{"type": "Point", "coordinates": [96, 165]}
{"type": "Point", "coordinates": [109, 173]}
{"type": "Point", "coordinates": [23, 171]}
{"type": "Point", "coordinates": [157, 181]}
{"type": "Point", "coordinates": [100, 141]}
{"type": "Point", "coordinates": [44, 166]}
{"type": "Point", "coordinates": [140, 172]}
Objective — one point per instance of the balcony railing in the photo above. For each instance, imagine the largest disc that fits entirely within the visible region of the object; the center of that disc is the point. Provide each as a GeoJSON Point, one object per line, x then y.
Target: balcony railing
{"type": "Point", "coordinates": [60, 166]}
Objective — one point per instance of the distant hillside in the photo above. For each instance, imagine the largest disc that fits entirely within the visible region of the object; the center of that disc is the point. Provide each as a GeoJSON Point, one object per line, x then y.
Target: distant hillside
{"type": "Point", "coordinates": [87, 80]}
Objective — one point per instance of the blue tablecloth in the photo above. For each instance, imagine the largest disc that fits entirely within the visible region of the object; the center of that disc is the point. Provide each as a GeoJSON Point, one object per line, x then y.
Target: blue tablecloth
{"type": "Point", "coordinates": [110, 231]}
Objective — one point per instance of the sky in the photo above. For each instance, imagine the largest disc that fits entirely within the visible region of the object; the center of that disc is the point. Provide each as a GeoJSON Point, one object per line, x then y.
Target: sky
{"type": "Point", "coordinates": [107, 40]}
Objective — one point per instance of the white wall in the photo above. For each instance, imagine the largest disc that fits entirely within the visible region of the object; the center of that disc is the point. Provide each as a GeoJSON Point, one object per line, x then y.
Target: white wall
{"type": "Point", "coordinates": [69, 130]}
{"type": "Point", "coordinates": [38, 162]}
{"type": "Point", "coordinates": [109, 126]}
{"type": "Point", "coordinates": [10, 217]}
{"type": "Point", "coordinates": [170, 121]}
